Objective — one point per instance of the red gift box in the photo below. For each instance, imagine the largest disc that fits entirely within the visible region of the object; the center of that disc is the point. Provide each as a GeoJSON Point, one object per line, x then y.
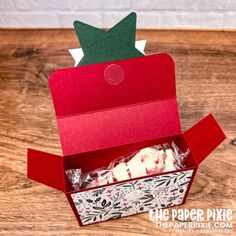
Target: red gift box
{"type": "Point", "coordinates": [108, 110]}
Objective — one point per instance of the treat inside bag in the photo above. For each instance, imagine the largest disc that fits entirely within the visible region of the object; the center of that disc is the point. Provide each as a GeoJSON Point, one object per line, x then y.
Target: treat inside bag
{"type": "Point", "coordinates": [146, 161]}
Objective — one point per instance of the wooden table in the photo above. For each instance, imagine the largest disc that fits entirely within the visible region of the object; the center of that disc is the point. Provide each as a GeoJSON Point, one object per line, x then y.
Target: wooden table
{"type": "Point", "coordinates": [206, 82]}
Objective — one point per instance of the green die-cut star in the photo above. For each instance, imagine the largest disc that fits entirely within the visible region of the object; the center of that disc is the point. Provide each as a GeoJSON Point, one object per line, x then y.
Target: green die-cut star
{"type": "Point", "coordinates": [115, 44]}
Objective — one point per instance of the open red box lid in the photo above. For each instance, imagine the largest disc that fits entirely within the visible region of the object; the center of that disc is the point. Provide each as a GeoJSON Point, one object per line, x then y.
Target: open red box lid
{"type": "Point", "coordinates": [115, 103]}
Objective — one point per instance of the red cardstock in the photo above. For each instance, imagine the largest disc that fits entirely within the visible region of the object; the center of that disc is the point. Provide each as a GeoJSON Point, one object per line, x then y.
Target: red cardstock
{"type": "Point", "coordinates": [99, 120]}
{"type": "Point", "coordinates": [93, 114]}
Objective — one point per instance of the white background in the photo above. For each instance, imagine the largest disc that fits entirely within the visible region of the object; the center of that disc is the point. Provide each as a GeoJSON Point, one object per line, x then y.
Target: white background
{"type": "Point", "coordinates": [104, 13]}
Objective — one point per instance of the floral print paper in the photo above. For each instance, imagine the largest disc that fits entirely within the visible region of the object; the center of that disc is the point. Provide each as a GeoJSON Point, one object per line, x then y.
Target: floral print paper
{"type": "Point", "coordinates": [132, 197]}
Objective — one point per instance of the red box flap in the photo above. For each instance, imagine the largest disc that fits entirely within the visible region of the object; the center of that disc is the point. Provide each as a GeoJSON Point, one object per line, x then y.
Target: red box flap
{"type": "Point", "coordinates": [46, 168]}
{"type": "Point", "coordinates": [204, 137]}
{"type": "Point", "coordinates": [114, 103]}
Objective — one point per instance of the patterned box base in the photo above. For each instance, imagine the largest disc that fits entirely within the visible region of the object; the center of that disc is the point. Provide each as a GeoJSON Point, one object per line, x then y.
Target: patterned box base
{"type": "Point", "coordinates": [132, 197]}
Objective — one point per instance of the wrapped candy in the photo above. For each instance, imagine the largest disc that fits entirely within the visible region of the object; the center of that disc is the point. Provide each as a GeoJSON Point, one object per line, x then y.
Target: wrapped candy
{"type": "Point", "coordinates": [120, 172]}
{"type": "Point", "coordinates": [147, 161]}
{"type": "Point", "coordinates": [74, 176]}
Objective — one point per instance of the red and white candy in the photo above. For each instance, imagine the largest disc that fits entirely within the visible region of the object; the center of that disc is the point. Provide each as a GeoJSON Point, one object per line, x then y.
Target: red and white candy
{"type": "Point", "coordinates": [147, 161]}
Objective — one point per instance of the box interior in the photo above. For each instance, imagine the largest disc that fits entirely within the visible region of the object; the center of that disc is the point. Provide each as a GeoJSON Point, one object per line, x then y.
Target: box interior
{"type": "Point", "coordinates": [101, 158]}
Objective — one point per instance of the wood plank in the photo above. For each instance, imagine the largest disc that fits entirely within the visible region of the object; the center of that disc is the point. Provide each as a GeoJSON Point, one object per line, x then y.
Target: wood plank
{"type": "Point", "coordinates": [206, 82]}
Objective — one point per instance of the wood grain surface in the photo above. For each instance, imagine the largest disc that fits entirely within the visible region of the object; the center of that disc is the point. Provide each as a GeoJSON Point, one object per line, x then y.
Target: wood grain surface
{"type": "Point", "coordinates": [206, 82]}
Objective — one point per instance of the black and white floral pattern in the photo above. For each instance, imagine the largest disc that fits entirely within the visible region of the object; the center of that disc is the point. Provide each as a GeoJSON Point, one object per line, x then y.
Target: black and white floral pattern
{"type": "Point", "coordinates": [132, 197]}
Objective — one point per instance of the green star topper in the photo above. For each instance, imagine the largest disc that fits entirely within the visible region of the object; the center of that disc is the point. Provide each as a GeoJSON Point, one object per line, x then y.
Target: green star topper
{"type": "Point", "coordinates": [115, 44]}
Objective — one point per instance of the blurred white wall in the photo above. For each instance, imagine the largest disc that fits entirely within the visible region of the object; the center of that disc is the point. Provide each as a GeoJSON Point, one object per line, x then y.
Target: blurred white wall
{"type": "Point", "coordinates": [104, 13]}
